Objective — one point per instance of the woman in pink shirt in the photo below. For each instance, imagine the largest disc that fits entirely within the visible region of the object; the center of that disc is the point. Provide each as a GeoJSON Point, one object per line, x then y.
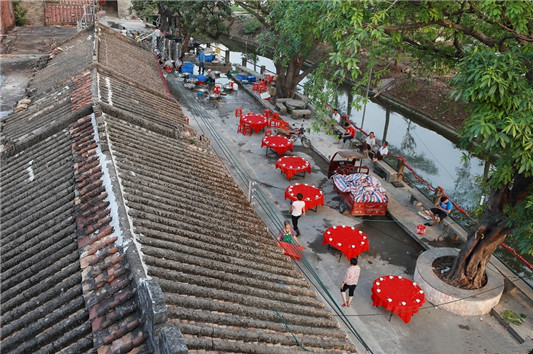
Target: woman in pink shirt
{"type": "Point", "coordinates": [350, 282]}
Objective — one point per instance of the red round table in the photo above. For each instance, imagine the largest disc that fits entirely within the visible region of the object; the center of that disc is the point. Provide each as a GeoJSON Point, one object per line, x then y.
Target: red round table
{"type": "Point", "coordinates": [256, 121]}
{"type": "Point", "coordinates": [313, 196]}
{"type": "Point", "coordinates": [346, 239]}
{"type": "Point", "coordinates": [277, 143]}
{"type": "Point", "coordinates": [398, 294]}
{"type": "Point", "coordinates": [291, 165]}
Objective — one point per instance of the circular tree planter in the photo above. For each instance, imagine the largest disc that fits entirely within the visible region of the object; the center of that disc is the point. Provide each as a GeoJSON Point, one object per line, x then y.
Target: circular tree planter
{"type": "Point", "coordinates": [456, 300]}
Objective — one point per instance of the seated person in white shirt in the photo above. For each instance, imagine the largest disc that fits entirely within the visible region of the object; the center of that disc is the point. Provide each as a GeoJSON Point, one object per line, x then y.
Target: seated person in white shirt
{"type": "Point", "coordinates": [381, 153]}
{"type": "Point", "coordinates": [336, 116]}
{"type": "Point", "coordinates": [368, 144]}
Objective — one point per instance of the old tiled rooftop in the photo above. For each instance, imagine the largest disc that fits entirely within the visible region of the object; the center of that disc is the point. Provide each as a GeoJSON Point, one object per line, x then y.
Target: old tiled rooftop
{"type": "Point", "coordinates": [122, 231]}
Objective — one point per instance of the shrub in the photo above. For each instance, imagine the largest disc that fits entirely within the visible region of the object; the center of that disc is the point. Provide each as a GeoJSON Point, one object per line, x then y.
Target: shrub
{"type": "Point", "coordinates": [20, 13]}
{"type": "Point", "coordinates": [251, 26]}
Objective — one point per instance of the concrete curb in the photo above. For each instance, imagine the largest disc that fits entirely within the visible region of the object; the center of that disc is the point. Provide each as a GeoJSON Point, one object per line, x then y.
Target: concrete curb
{"type": "Point", "coordinates": [458, 301]}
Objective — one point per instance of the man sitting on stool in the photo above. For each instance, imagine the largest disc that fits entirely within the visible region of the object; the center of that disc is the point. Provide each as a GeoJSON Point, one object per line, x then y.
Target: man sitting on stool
{"type": "Point", "coordinates": [440, 212]}
{"type": "Point", "coordinates": [381, 153]}
{"type": "Point", "coordinates": [349, 134]}
{"type": "Point", "coordinates": [368, 145]}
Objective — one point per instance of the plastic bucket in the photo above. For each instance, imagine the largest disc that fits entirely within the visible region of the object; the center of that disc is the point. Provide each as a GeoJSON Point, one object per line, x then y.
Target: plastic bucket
{"type": "Point", "coordinates": [187, 67]}
{"type": "Point", "coordinates": [421, 229]}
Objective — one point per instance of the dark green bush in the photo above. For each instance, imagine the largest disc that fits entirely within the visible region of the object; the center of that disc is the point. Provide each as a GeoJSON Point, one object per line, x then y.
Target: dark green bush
{"type": "Point", "coordinates": [20, 13]}
{"type": "Point", "coordinates": [251, 26]}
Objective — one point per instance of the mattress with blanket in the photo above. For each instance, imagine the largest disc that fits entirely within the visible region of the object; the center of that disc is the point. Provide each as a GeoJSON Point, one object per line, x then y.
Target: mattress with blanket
{"type": "Point", "coordinates": [362, 187]}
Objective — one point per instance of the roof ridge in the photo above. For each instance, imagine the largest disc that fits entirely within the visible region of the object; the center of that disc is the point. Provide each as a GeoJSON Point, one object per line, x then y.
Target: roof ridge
{"type": "Point", "coordinates": [105, 282]}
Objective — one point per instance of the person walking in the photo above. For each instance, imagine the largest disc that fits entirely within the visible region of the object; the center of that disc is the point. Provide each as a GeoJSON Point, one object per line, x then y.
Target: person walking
{"type": "Point", "coordinates": [350, 281]}
{"type": "Point", "coordinates": [297, 209]}
{"type": "Point", "coordinates": [201, 61]}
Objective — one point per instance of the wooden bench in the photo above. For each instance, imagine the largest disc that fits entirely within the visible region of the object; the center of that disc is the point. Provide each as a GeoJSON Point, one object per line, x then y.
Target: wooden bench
{"type": "Point", "coordinates": [450, 229]}
{"type": "Point", "coordinates": [280, 107]}
{"type": "Point", "coordinates": [385, 171]}
{"type": "Point", "coordinates": [300, 113]}
{"type": "Point", "coordinates": [338, 129]}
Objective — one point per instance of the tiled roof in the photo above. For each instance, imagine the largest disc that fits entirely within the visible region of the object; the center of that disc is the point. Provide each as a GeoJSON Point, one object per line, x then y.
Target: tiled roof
{"type": "Point", "coordinates": [75, 57]}
{"type": "Point", "coordinates": [66, 283]}
{"type": "Point", "coordinates": [41, 278]}
{"type": "Point", "coordinates": [123, 232]}
{"type": "Point", "coordinates": [227, 285]}
{"type": "Point", "coordinates": [124, 56]}
{"type": "Point", "coordinates": [54, 111]}
{"type": "Point", "coordinates": [139, 102]}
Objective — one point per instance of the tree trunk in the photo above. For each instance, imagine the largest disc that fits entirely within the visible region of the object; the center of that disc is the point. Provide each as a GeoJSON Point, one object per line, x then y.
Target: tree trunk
{"type": "Point", "coordinates": [288, 77]}
{"type": "Point", "coordinates": [164, 16]}
{"type": "Point", "coordinates": [468, 270]}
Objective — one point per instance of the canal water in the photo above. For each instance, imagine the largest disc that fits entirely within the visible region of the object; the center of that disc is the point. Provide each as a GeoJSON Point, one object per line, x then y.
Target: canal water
{"type": "Point", "coordinates": [434, 157]}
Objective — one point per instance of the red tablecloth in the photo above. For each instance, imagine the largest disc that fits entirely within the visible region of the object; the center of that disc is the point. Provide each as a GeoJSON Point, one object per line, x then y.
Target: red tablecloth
{"type": "Point", "coordinates": [256, 121]}
{"type": "Point", "coordinates": [313, 196]}
{"type": "Point", "coordinates": [292, 250]}
{"type": "Point", "coordinates": [291, 165]}
{"type": "Point", "coordinates": [279, 144]}
{"type": "Point", "coordinates": [346, 239]}
{"type": "Point", "coordinates": [398, 294]}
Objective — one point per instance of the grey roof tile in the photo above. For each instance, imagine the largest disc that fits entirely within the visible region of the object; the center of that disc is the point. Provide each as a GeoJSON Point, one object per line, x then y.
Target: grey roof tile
{"type": "Point", "coordinates": [219, 268]}
{"type": "Point", "coordinates": [41, 290]}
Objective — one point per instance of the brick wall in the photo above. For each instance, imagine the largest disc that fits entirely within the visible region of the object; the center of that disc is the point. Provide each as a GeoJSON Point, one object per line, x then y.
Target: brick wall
{"type": "Point", "coordinates": [7, 16]}
{"type": "Point", "coordinates": [35, 14]}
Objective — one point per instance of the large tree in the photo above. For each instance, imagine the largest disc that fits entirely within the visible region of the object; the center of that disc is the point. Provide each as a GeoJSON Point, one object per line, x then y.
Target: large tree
{"type": "Point", "coordinates": [490, 45]}
{"type": "Point", "coordinates": [205, 18]}
{"type": "Point", "coordinates": [290, 38]}
{"type": "Point", "coordinates": [499, 129]}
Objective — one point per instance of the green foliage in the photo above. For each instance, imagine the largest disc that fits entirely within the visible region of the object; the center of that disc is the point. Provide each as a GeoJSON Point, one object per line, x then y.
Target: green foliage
{"type": "Point", "coordinates": [20, 14]}
{"type": "Point", "coordinates": [511, 317]}
{"type": "Point", "coordinates": [501, 124]}
{"type": "Point", "coordinates": [251, 26]}
{"type": "Point", "coordinates": [201, 18]}
{"type": "Point", "coordinates": [496, 86]}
